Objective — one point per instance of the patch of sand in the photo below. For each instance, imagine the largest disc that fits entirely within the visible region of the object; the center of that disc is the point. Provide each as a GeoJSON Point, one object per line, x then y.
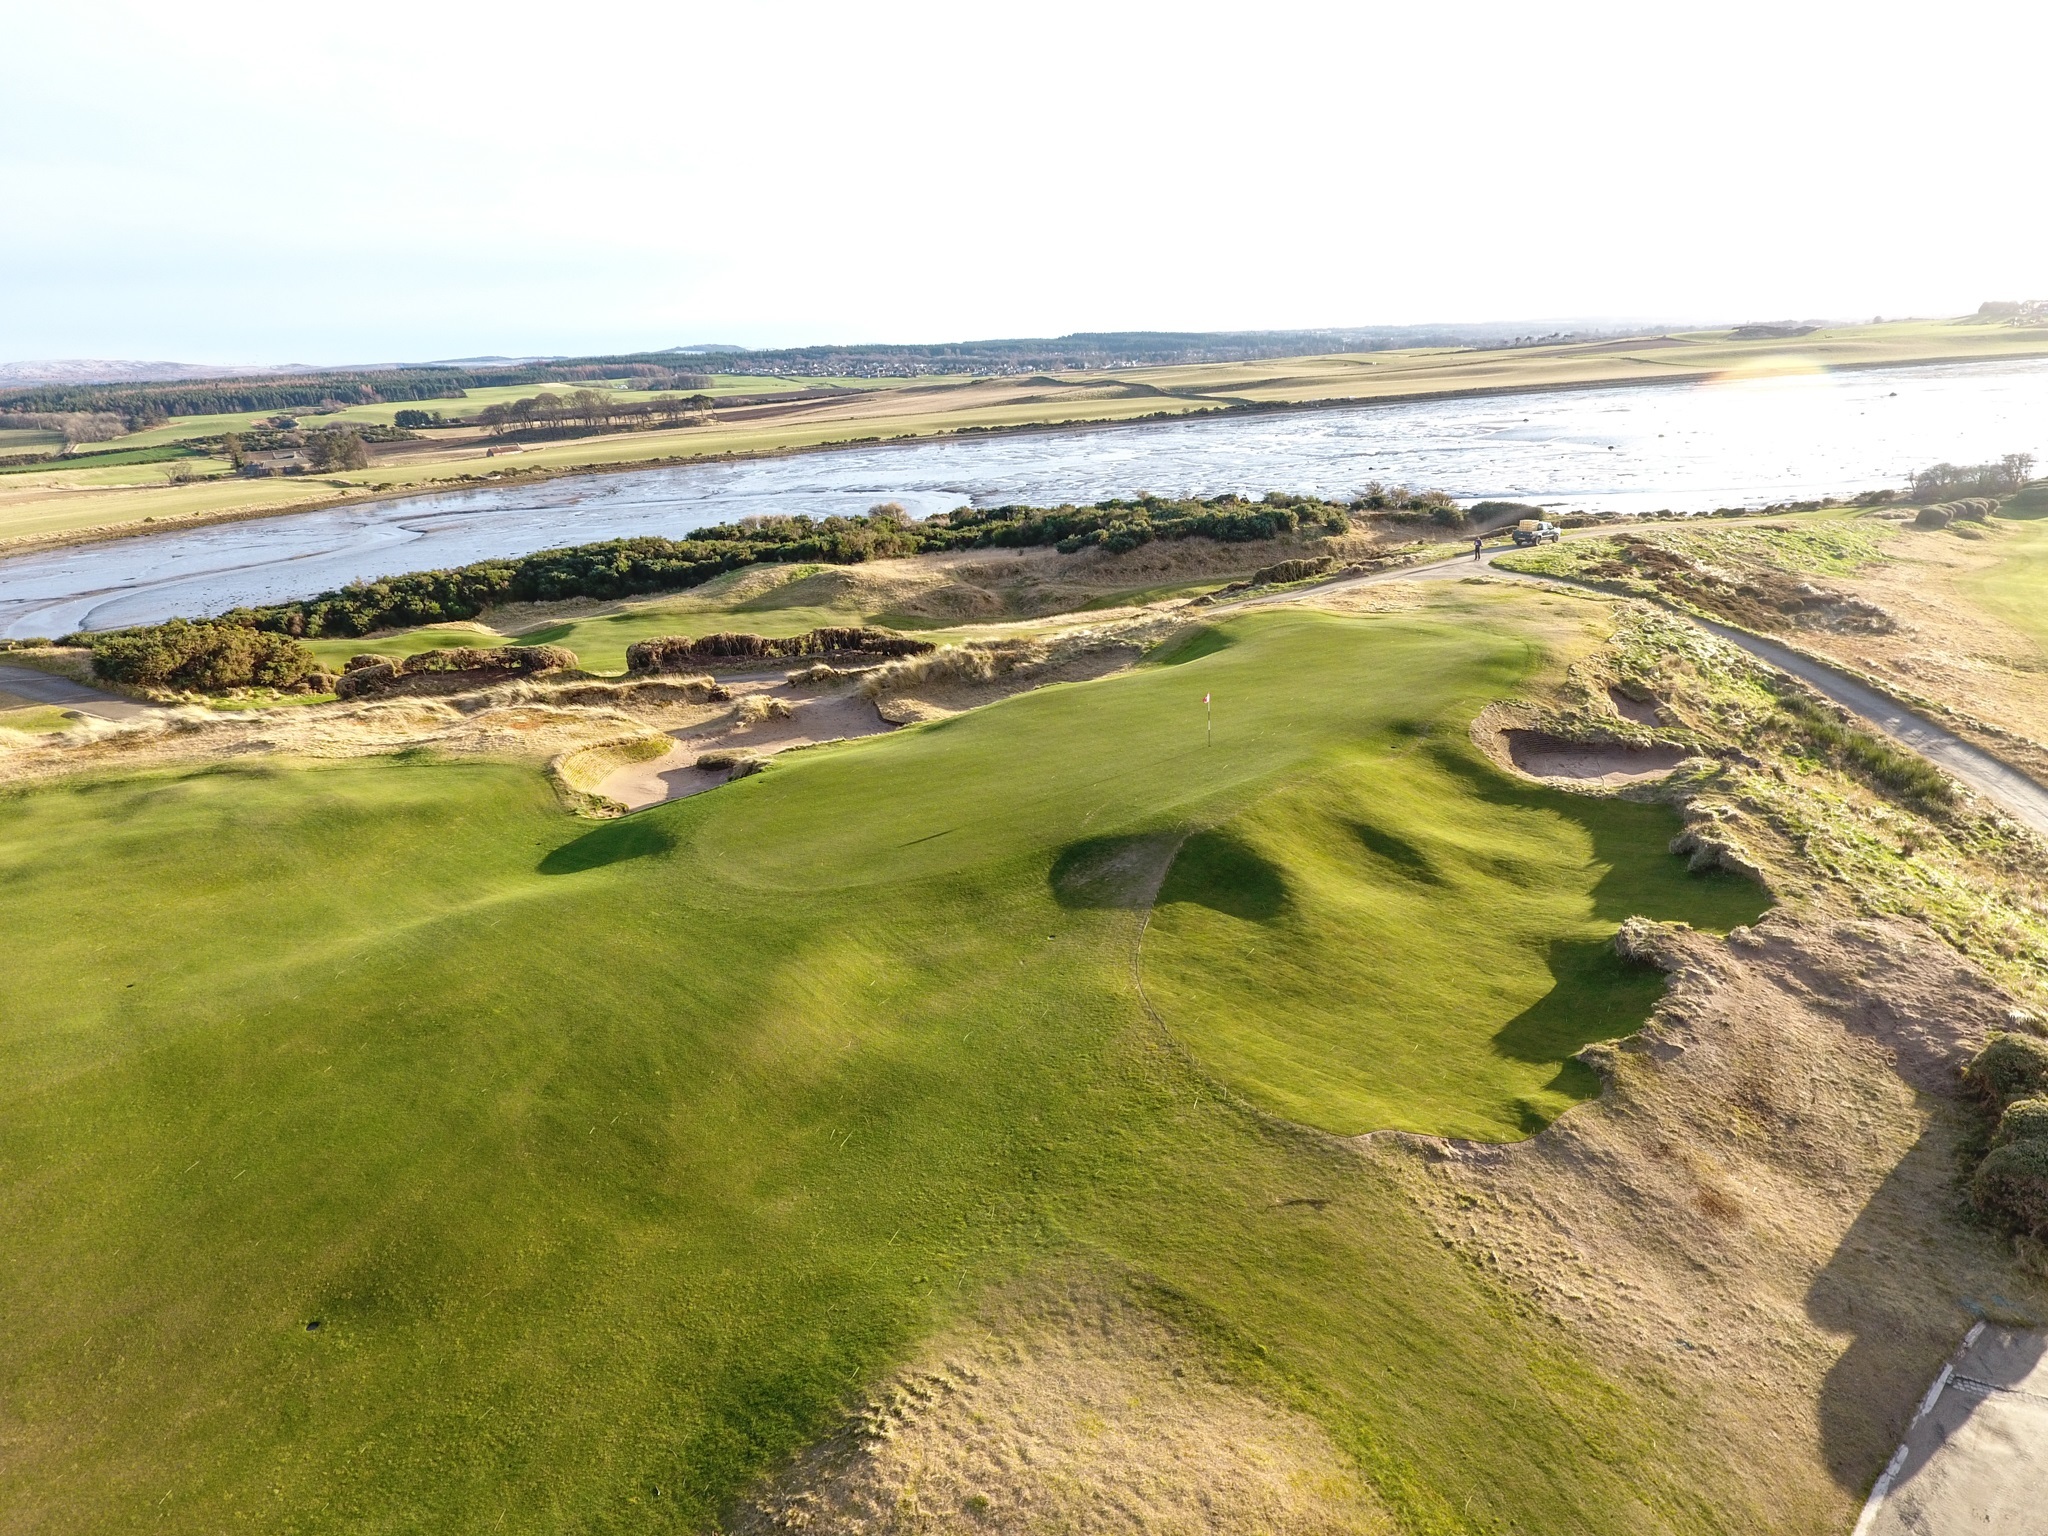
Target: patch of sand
{"type": "Point", "coordinates": [810, 722]}
{"type": "Point", "coordinates": [1542, 756]}
{"type": "Point", "coordinates": [1074, 1407]}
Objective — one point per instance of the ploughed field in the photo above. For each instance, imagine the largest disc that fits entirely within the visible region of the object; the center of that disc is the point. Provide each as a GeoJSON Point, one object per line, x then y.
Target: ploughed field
{"type": "Point", "coordinates": [382, 1148]}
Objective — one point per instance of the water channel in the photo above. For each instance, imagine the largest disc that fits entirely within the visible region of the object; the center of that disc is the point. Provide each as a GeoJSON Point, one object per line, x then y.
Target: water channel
{"type": "Point", "coordinates": [1691, 447]}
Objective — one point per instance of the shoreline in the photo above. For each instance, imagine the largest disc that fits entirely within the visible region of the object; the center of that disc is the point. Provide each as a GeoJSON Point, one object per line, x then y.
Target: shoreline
{"type": "Point", "coordinates": [1222, 407]}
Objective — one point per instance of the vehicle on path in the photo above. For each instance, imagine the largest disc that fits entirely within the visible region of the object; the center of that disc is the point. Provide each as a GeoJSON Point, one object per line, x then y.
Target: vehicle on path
{"type": "Point", "coordinates": [1532, 531]}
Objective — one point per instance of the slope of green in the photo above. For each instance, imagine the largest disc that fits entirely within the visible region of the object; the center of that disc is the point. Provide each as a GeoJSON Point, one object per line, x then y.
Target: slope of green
{"type": "Point", "coordinates": [1427, 944]}
{"type": "Point", "coordinates": [383, 1150]}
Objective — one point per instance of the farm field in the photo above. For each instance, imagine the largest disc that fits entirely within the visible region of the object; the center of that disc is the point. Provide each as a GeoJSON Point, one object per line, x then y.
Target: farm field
{"type": "Point", "coordinates": [41, 505]}
{"type": "Point", "coordinates": [409, 1153]}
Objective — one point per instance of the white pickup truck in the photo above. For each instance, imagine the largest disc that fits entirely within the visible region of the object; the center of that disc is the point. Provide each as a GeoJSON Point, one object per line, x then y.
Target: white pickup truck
{"type": "Point", "coordinates": [1533, 530]}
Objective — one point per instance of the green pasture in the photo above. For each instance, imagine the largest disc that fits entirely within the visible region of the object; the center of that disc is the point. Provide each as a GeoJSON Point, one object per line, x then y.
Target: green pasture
{"type": "Point", "coordinates": [29, 440]}
{"type": "Point", "coordinates": [383, 1149]}
{"type": "Point", "coordinates": [180, 428]}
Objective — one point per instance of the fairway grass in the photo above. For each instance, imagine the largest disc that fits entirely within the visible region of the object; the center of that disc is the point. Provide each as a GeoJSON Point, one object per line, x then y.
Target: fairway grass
{"type": "Point", "coordinates": [2015, 588]}
{"type": "Point", "coordinates": [382, 1149]}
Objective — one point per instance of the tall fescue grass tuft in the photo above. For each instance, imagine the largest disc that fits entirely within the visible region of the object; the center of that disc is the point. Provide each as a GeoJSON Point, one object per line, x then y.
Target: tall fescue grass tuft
{"type": "Point", "coordinates": [1902, 772]}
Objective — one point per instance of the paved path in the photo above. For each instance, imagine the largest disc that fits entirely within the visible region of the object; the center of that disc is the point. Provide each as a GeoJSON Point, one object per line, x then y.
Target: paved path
{"type": "Point", "coordinates": [1975, 1458]}
{"type": "Point", "coordinates": [47, 688]}
{"type": "Point", "coordinates": [2017, 794]}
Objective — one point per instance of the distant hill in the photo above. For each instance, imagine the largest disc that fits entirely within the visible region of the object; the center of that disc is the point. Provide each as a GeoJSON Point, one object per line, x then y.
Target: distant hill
{"type": "Point", "coordinates": [105, 370]}
{"type": "Point", "coordinates": [149, 390]}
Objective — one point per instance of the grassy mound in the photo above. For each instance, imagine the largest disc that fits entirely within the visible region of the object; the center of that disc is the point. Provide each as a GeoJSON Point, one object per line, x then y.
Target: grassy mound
{"type": "Point", "coordinates": [384, 1149]}
{"type": "Point", "coordinates": [1409, 941]}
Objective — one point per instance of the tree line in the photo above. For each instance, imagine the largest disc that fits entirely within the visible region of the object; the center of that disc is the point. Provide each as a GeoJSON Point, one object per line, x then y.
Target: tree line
{"type": "Point", "coordinates": [631, 567]}
{"type": "Point", "coordinates": [1947, 482]}
{"type": "Point", "coordinates": [141, 405]}
{"type": "Point", "coordinates": [587, 407]}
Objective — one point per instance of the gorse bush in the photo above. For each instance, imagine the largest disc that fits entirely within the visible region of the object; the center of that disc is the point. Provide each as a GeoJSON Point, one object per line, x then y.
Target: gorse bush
{"type": "Point", "coordinates": [627, 567]}
{"type": "Point", "coordinates": [2009, 1068]}
{"type": "Point", "coordinates": [369, 673]}
{"type": "Point", "coordinates": [207, 656]}
{"type": "Point", "coordinates": [1944, 482]}
{"type": "Point", "coordinates": [2011, 1186]}
{"type": "Point", "coordinates": [2023, 1120]}
{"type": "Point", "coordinates": [674, 653]}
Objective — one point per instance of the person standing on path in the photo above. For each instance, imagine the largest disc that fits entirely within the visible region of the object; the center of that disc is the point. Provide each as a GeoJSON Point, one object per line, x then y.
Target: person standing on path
{"type": "Point", "coordinates": [1476, 542]}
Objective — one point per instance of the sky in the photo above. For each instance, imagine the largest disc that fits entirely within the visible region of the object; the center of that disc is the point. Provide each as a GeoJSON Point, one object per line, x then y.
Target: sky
{"type": "Point", "coordinates": [232, 183]}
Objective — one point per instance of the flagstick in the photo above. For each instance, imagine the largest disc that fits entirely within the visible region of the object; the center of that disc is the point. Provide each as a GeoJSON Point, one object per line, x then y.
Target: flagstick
{"type": "Point", "coordinates": [1209, 718]}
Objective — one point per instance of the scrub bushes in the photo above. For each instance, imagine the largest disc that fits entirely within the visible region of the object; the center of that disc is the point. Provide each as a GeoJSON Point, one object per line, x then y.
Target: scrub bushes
{"type": "Point", "coordinates": [2011, 1185]}
{"type": "Point", "coordinates": [1292, 570]}
{"type": "Point", "coordinates": [370, 673]}
{"type": "Point", "coordinates": [675, 653]}
{"type": "Point", "coordinates": [2023, 1120]}
{"type": "Point", "coordinates": [2009, 1068]}
{"type": "Point", "coordinates": [206, 656]}
{"type": "Point", "coordinates": [1902, 772]}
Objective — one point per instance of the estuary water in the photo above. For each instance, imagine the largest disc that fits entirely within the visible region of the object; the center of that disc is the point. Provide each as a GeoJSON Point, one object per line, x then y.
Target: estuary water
{"type": "Point", "coordinates": [1690, 447]}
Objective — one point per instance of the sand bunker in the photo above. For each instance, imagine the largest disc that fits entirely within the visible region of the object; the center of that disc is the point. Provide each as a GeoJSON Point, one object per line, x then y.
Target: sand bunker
{"type": "Point", "coordinates": [809, 722]}
{"type": "Point", "coordinates": [1548, 757]}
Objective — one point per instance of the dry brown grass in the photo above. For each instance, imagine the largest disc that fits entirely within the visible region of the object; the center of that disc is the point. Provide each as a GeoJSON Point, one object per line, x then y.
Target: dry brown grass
{"type": "Point", "coordinates": [1762, 1208]}
{"type": "Point", "coordinates": [1068, 1406]}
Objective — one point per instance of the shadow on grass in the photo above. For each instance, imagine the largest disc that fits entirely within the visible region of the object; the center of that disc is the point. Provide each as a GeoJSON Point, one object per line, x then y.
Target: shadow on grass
{"type": "Point", "coordinates": [631, 837]}
{"type": "Point", "coordinates": [1594, 995]}
{"type": "Point", "coordinates": [1900, 1333]}
{"type": "Point", "coordinates": [1203, 642]}
{"type": "Point", "coordinates": [1217, 871]}
{"type": "Point", "coordinates": [1410, 861]}
{"type": "Point", "coordinates": [1631, 886]}
{"type": "Point", "coordinates": [1111, 871]}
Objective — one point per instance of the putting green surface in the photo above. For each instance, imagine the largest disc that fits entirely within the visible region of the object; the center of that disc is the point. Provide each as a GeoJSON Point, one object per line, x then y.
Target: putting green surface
{"type": "Point", "coordinates": [383, 1150]}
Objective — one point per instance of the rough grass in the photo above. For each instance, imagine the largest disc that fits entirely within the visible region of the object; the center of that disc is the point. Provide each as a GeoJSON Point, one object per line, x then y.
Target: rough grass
{"type": "Point", "coordinates": [610, 1161]}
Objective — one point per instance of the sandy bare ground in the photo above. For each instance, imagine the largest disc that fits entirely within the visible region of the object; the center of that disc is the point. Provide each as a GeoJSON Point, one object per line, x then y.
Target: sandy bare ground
{"type": "Point", "coordinates": [1070, 1406]}
{"type": "Point", "coordinates": [811, 721]}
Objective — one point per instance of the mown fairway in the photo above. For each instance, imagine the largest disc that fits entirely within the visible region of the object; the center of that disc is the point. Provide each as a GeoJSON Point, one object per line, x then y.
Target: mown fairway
{"type": "Point", "coordinates": [2016, 588]}
{"type": "Point", "coordinates": [610, 1159]}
